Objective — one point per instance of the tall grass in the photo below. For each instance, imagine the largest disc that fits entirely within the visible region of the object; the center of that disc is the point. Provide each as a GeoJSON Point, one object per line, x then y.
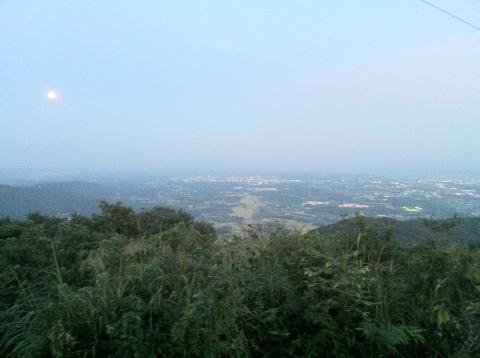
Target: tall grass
{"type": "Point", "coordinates": [181, 291]}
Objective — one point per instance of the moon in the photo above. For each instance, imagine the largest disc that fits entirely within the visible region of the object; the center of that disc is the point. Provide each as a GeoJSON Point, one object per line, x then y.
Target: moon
{"type": "Point", "coordinates": [52, 95]}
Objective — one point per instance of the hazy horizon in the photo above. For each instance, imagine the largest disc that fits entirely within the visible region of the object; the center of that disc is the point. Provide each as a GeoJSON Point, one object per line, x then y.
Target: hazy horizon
{"type": "Point", "coordinates": [339, 87]}
{"type": "Point", "coordinates": [26, 177]}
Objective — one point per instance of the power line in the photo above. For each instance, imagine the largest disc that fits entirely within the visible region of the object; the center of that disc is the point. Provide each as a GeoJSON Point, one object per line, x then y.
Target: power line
{"type": "Point", "coordinates": [458, 18]}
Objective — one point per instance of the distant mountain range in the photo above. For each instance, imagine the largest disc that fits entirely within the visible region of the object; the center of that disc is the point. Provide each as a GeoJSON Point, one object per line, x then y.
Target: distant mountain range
{"type": "Point", "coordinates": [56, 199]}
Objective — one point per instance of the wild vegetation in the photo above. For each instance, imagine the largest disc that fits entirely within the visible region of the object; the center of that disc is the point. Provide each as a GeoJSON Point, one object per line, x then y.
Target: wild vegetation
{"type": "Point", "coordinates": [159, 283]}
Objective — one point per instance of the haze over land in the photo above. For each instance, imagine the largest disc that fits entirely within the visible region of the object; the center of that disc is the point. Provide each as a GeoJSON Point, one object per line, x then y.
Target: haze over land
{"type": "Point", "coordinates": [230, 202]}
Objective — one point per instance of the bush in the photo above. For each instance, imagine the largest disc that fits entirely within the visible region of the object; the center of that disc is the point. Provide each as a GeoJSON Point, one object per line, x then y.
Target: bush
{"type": "Point", "coordinates": [159, 283]}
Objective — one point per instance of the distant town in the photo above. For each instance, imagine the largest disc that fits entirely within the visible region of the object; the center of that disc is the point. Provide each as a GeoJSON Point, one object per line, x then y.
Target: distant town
{"type": "Point", "coordinates": [312, 201]}
{"type": "Point", "coordinates": [303, 202]}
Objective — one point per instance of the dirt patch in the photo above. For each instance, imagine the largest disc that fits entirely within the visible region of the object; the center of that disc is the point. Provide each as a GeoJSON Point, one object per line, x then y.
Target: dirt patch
{"type": "Point", "coordinates": [247, 207]}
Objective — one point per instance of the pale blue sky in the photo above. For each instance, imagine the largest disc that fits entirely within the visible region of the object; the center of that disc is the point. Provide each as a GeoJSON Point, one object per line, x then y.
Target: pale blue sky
{"type": "Point", "coordinates": [352, 86]}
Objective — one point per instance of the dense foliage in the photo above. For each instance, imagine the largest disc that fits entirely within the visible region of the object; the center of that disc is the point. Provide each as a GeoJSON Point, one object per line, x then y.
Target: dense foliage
{"type": "Point", "coordinates": [462, 230]}
{"type": "Point", "coordinates": [158, 283]}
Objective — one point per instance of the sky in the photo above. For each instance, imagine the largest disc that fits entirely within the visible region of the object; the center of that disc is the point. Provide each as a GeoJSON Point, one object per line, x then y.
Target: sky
{"type": "Point", "coordinates": [351, 86]}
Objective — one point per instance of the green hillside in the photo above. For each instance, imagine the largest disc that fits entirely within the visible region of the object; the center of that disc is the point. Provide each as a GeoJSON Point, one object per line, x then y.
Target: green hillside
{"type": "Point", "coordinates": [161, 284]}
{"type": "Point", "coordinates": [56, 199]}
{"type": "Point", "coordinates": [458, 230]}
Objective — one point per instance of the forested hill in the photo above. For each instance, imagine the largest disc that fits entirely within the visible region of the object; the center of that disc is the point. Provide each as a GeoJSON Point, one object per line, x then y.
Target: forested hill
{"type": "Point", "coordinates": [57, 199]}
{"type": "Point", "coordinates": [458, 229]}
